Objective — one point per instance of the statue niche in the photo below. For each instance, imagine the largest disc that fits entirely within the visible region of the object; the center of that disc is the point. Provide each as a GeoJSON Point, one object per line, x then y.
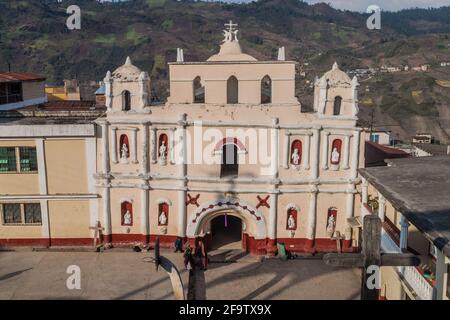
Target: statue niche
{"type": "Point", "coordinates": [335, 159]}
{"type": "Point", "coordinates": [124, 149]}
{"type": "Point", "coordinates": [291, 223]}
{"type": "Point", "coordinates": [331, 222]}
{"type": "Point", "coordinates": [127, 213]}
{"type": "Point", "coordinates": [163, 217]}
{"type": "Point", "coordinates": [163, 149]}
{"type": "Point", "coordinates": [296, 154]}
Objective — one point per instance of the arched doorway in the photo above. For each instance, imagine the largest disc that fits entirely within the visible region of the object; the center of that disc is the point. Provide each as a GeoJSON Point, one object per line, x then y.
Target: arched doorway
{"type": "Point", "coordinates": [226, 232]}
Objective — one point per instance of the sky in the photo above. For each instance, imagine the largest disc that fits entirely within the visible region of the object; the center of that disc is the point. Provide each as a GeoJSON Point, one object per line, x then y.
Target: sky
{"type": "Point", "coordinates": [387, 5]}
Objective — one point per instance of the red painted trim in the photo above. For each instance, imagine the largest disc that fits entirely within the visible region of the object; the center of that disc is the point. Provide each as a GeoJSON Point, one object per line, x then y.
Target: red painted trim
{"type": "Point", "coordinates": [249, 244]}
{"type": "Point", "coordinates": [24, 242]}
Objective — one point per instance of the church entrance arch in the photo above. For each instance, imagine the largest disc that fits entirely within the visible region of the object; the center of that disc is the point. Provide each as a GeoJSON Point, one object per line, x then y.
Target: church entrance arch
{"type": "Point", "coordinates": [227, 223]}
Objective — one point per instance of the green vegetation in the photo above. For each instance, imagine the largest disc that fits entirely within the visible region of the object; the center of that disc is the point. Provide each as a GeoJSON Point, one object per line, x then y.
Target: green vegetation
{"type": "Point", "coordinates": [159, 64]}
{"type": "Point", "coordinates": [155, 3]}
{"type": "Point", "coordinates": [134, 36]}
{"type": "Point", "coordinates": [167, 24]}
{"type": "Point", "coordinates": [105, 38]}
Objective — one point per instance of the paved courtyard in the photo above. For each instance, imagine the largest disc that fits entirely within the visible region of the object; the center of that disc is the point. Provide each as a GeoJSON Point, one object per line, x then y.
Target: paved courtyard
{"type": "Point", "coordinates": [122, 274]}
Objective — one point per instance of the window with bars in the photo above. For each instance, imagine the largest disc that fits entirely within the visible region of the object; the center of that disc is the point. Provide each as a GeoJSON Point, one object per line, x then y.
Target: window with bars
{"type": "Point", "coordinates": [12, 213]}
{"type": "Point", "coordinates": [18, 159]}
{"type": "Point", "coordinates": [28, 159]}
{"type": "Point", "coordinates": [11, 92]}
{"type": "Point", "coordinates": [8, 159]}
{"type": "Point", "coordinates": [17, 213]}
{"type": "Point", "coordinates": [32, 213]}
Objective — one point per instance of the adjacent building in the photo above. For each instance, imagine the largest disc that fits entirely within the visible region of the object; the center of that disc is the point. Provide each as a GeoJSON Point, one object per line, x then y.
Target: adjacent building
{"type": "Point", "coordinates": [411, 198]}
{"type": "Point", "coordinates": [20, 90]}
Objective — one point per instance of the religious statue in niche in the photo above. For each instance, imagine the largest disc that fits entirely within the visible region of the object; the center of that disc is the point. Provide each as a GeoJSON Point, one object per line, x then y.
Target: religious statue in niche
{"type": "Point", "coordinates": [127, 215]}
{"type": "Point", "coordinates": [295, 157]}
{"type": "Point", "coordinates": [296, 154]}
{"type": "Point", "coordinates": [331, 222]}
{"type": "Point", "coordinates": [124, 154]}
{"type": "Point", "coordinates": [124, 149]}
{"type": "Point", "coordinates": [336, 154]}
{"type": "Point", "coordinates": [292, 218]}
{"type": "Point", "coordinates": [163, 217]}
{"type": "Point", "coordinates": [162, 152]}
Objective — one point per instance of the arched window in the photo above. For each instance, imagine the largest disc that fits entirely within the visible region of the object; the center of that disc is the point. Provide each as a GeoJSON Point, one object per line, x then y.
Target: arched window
{"type": "Point", "coordinates": [163, 214]}
{"type": "Point", "coordinates": [124, 147]}
{"type": "Point", "coordinates": [266, 90]}
{"type": "Point", "coordinates": [291, 222]}
{"type": "Point", "coordinates": [126, 100]}
{"type": "Point", "coordinates": [126, 213]}
{"type": "Point", "coordinates": [296, 152]}
{"type": "Point", "coordinates": [336, 151]}
{"type": "Point", "coordinates": [331, 221]}
{"type": "Point", "coordinates": [232, 90]}
{"type": "Point", "coordinates": [230, 165]}
{"type": "Point", "coordinates": [337, 106]}
{"type": "Point", "coordinates": [199, 91]}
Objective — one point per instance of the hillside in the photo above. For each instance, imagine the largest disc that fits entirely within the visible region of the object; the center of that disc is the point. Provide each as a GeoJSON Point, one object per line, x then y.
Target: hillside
{"type": "Point", "coordinates": [34, 38]}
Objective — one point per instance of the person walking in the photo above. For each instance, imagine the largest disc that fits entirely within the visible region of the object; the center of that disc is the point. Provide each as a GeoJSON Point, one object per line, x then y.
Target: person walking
{"type": "Point", "coordinates": [187, 257]}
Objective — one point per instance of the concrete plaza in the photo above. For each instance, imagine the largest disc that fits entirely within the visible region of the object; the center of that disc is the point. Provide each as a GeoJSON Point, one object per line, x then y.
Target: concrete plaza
{"type": "Point", "coordinates": [123, 274]}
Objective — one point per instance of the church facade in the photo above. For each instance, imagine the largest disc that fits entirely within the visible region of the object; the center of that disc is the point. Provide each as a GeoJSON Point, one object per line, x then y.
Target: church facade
{"type": "Point", "coordinates": [229, 155]}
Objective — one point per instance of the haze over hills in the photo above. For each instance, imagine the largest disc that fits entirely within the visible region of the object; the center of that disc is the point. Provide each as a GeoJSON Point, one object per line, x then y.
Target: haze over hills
{"type": "Point", "coordinates": [34, 38]}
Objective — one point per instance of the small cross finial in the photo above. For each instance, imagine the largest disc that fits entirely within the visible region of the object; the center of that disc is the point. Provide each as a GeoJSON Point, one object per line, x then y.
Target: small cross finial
{"type": "Point", "coordinates": [231, 26]}
{"type": "Point", "coordinates": [231, 33]}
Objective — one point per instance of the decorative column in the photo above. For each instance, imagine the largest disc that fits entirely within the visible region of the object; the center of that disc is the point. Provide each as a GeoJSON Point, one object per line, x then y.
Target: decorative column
{"type": "Point", "coordinates": [315, 154]}
{"type": "Point", "coordinates": [144, 139]}
{"type": "Point", "coordinates": [312, 213]}
{"type": "Point", "coordinates": [381, 206]}
{"type": "Point", "coordinates": [42, 167]}
{"type": "Point", "coordinates": [182, 194]}
{"type": "Point", "coordinates": [134, 145]}
{"type": "Point", "coordinates": [306, 150]}
{"type": "Point", "coordinates": [274, 146]}
{"type": "Point", "coordinates": [272, 225]}
{"type": "Point", "coordinates": [106, 191]}
{"type": "Point", "coordinates": [322, 95]}
{"type": "Point", "coordinates": [286, 159]}
{"type": "Point", "coordinates": [404, 224]}
{"type": "Point", "coordinates": [172, 145]}
{"type": "Point", "coordinates": [114, 145]}
{"type": "Point", "coordinates": [325, 150]}
{"type": "Point", "coordinates": [145, 223]}
{"type": "Point", "coordinates": [346, 152]}
{"type": "Point", "coordinates": [108, 91]}
{"type": "Point", "coordinates": [154, 145]}
{"type": "Point", "coordinates": [45, 222]}
{"type": "Point", "coordinates": [355, 154]}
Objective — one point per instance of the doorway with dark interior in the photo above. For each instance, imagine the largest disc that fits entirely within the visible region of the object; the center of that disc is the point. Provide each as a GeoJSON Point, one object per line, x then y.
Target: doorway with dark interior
{"type": "Point", "coordinates": [226, 233]}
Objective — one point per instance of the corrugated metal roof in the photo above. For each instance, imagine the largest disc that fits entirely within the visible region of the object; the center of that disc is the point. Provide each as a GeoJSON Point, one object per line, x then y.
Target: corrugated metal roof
{"type": "Point", "coordinates": [63, 105]}
{"type": "Point", "coordinates": [19, 76]}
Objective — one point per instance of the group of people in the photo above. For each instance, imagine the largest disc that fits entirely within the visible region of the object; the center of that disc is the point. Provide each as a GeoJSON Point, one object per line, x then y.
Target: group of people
{"type": "Point", "coordinates": [193, 257]}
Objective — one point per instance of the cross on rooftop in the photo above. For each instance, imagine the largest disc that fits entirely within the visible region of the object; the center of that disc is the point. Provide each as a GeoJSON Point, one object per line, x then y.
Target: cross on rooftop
{"type": "Point", "coordinates": [231, 26]}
